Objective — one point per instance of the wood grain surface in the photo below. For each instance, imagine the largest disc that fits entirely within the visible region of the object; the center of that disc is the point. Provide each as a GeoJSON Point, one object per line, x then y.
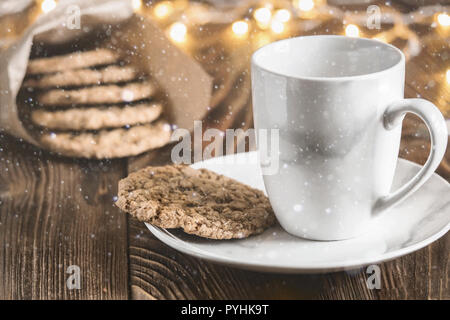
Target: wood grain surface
{"type": "Point", "coordinates": [58, 212]}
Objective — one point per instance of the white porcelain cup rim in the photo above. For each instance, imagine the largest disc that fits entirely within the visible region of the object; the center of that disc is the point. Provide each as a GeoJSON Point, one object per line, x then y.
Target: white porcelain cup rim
{"type": "Point", "coordinates": [270, 46]}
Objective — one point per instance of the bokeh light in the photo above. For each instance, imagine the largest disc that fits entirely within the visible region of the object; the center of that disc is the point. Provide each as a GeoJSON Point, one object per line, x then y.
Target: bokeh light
{"type": "Point", "coordinates": [263, 17]}
{"type": "Point", "coordinates": [277, 26]}
{"type": "Point", "coordinates": [48, 5]}
{"type": "Point", "coordinates": [443, 19]}
{"type": "Point", "coordinates": [352, 31]}
{"type": "Point", "coordinates": [163, 9]}
{"type": "Point", "coordinates": [282, 15]}
{"type": "Point", "coordinates": [177, 32]}
{"type": "Point", "coordinates": [240, 28]}
{"type": "Point", "coordinates": [136, 4]}
{"type": "Point", "coordinates": [305, 5]}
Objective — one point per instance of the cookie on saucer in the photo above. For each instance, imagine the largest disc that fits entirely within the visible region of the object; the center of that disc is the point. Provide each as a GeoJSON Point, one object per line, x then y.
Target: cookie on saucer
{"type": "Point", "coordinates": [200, 202]}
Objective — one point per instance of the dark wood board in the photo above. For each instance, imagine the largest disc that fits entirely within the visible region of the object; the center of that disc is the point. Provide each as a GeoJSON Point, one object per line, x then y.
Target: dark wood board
{"type": "Point", "coordinates": [55, 213]}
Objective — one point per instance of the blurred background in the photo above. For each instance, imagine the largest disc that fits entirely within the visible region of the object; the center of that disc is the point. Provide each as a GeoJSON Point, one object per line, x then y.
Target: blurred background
{"type": "Point", "coordinates": [221, 35]}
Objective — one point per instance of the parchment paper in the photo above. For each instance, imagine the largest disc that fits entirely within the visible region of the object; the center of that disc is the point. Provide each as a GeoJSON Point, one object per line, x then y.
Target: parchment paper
{"type": "Point", "coordinates": [186, 85]}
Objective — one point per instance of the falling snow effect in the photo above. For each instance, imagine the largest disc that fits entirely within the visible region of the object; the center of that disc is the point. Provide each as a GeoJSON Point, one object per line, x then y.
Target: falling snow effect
{"type": "Point", "coordinates": [75, 184]}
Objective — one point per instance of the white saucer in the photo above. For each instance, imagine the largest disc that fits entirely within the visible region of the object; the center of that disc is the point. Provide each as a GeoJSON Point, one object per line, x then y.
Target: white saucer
{"type": "Point", "coordinates": [423, 218]}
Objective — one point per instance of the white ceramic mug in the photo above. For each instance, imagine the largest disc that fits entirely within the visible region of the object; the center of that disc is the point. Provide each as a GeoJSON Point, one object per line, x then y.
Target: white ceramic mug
{"type": "Point", "coordinates": [338, 104]}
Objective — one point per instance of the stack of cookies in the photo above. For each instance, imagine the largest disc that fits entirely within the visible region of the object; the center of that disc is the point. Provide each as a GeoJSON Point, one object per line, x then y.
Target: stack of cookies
{"type": "Point", "coordinates": [91, 104]}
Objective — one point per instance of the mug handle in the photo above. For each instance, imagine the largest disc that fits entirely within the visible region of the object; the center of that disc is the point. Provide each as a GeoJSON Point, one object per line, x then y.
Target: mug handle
{"type": "Point", "coordinates": [430, 114]}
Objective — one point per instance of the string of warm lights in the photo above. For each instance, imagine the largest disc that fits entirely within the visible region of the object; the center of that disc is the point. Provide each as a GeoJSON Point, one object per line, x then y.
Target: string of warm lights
{"type": "Point", "coordinates": [267, 21]}
{"type": "Point", "coordinates": [266, 17]}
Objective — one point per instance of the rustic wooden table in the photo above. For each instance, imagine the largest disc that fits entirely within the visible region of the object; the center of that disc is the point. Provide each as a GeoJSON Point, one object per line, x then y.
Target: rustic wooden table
{"type": "Point", "coordinates": [58, 212]}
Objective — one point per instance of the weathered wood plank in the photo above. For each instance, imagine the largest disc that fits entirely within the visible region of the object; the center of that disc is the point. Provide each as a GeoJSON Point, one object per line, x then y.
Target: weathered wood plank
{"type": "Point", "coordinates": [55, 213]}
